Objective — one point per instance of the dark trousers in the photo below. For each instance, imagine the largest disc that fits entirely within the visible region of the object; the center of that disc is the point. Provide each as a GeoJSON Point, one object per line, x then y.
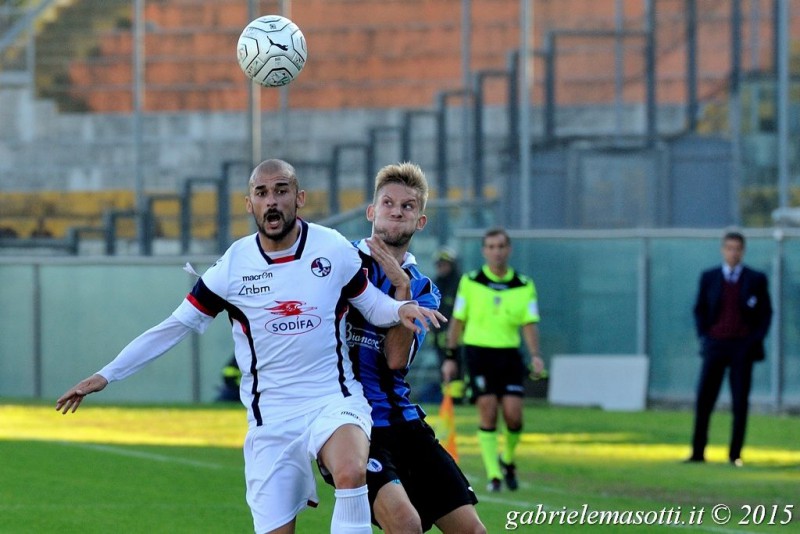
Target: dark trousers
{"type": "Point", "coordinates": [719, 355]}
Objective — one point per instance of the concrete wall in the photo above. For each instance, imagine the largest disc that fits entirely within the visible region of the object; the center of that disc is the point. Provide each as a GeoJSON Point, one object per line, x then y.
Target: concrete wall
{"type": "Point", "coordinates": [43, 149]}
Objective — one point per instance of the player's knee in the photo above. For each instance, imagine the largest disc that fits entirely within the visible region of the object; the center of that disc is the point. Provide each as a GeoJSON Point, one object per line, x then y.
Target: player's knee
{"type": "Point", "coordinates": [349, 474]}
{"type": "Point", "coordinates": [463, 520]}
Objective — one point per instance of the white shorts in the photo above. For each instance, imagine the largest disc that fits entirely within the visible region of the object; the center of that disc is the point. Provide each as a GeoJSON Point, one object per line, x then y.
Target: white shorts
{"type": "Point", "coordinates": [278, 460]}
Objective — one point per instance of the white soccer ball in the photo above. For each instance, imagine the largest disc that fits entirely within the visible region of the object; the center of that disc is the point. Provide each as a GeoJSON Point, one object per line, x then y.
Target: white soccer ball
{"type": "Point", "coordinates": [272, 50]}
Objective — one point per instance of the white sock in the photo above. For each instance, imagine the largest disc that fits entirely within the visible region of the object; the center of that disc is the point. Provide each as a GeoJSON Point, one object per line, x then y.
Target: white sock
{"type": "Point", "coordinates": [351, 513]}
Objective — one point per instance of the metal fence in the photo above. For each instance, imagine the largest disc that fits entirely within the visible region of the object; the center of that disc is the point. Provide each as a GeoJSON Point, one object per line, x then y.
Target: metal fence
{"type": "Point", "coordinates": [621, 292]}
{"type": "Point", "coordinates": [632, 292]}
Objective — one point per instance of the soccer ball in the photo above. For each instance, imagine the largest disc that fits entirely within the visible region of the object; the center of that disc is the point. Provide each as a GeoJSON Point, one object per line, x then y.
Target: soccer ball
{"type": "Point", "coordinates": [272, 50]}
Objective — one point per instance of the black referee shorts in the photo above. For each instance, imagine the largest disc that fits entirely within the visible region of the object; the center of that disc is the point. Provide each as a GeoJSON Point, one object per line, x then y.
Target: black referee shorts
{"type": "Point", "coordinates": [495, 371]}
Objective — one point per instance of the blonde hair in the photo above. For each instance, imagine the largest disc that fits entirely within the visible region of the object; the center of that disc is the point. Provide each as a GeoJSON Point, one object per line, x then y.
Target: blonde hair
{"type": "Point", "coordinates": [407, 174]}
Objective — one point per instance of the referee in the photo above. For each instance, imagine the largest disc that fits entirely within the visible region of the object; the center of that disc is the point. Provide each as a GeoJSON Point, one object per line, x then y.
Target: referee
{"type": "Point", "coordinates": [493, 304]}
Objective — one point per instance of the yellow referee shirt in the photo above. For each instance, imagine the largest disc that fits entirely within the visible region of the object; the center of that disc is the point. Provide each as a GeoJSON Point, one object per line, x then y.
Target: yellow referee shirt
{"type": "Point", "coordinates": [493, 308]}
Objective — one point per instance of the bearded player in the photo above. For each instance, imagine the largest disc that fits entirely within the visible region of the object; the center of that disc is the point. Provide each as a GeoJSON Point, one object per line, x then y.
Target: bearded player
{"type": "Point", "coordinates": [286, 291]}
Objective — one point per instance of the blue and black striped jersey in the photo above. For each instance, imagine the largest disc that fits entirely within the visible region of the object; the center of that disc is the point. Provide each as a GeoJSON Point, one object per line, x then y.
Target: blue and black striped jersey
{"type": "Point", "coordinates": [386, 390]}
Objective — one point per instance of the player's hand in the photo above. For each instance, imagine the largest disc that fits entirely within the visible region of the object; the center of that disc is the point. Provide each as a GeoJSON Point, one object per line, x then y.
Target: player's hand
{"type": "Point", "coordinates": [411, 311]}
{"type": "Point", "coordinates": [70, 400]}
{"type": "Point", "coordinates": [394, 272]}
{"type": "Point", "coordinates": [449, 370]}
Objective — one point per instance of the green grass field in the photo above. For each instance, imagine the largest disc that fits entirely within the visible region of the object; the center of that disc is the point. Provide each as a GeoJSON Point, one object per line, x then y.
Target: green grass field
{"type": "Point", "coordinates": [179, 469]}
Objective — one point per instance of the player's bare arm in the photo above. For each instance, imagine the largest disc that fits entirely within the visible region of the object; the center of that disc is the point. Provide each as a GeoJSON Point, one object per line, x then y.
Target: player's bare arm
{"type": "Point", "coordinates": [397, 347]}
{"type": "Point", "coordinates": [70, 400]}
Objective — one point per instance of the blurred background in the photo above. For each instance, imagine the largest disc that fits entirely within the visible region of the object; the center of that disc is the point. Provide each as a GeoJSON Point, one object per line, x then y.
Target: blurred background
{"type": "Point", "coordinates": [617, 139]}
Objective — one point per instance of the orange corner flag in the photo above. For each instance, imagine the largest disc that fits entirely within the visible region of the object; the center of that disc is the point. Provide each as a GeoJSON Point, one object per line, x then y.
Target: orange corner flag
{"type": "Point", "coordinates": [447, 424]}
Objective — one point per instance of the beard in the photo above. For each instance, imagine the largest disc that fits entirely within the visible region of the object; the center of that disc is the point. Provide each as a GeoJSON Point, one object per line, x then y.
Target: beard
{"type": "Point", "coordinates": [397, 239]}
{"type": "Point", "coordinates": [282, 232]}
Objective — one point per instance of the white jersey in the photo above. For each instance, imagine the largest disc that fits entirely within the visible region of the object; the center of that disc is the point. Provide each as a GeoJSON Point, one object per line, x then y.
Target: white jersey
{"type": "Point", "coordinates": [288, 320]}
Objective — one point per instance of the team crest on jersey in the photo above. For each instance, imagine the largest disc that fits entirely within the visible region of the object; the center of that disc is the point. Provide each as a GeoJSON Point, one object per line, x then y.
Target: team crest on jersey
{"type": "Point", "coordinates": [321, 267]}
{"type": "Point", "coordinates": [292, 318]}
{"type": "Point", "coordinates": [374, 466]}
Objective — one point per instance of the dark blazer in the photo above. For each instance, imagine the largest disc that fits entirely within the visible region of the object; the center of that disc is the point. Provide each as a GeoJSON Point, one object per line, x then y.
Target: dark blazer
{"type": "Point", "coordinates": [754, 303]}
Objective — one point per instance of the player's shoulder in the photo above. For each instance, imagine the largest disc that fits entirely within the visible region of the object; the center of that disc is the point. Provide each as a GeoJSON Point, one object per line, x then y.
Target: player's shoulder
{"type": "Point", "coordinates": [323, 236]}
{"type": "Point", "coordinates": [416, 274]}
{"type": "Point", "coordinates": [234, 250]}
{"type": "Point", "coordinates": [240, 249]}
{"type": "Point", "coordinates": [248, 241]}
{"type": "Point", "coordinates": [235, 255]}
{"type": "Point", "coordinates": [321, 230]}
{"type": "Point", "coordinates": [421, 283]}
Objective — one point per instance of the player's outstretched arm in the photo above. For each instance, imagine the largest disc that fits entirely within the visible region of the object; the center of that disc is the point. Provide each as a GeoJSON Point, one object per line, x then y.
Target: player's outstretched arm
{"type": "Point", "coordinates": [411, 310]}
{"type": "Point", "coordinates": [138, 353]}
{"type": "Point", "coordinates": [70, 400]}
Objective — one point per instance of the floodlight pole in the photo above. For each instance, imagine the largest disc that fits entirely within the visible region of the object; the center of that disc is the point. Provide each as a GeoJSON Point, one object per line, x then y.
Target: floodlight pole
{"type": "Point", "coordinates": [138, 127]}
{"type": "Point", "coordinates": [735, 110]}
{"type": "Point", "coordinates": [254, 102]}
{"type": "Point", "coordinates": [524, 95]}
{"type": "Point", "coordinates": [782, 97]}
{"type": "Point", "coordinates": [466, 110]}
{"type": "Point", "coordinates": [283, 95]}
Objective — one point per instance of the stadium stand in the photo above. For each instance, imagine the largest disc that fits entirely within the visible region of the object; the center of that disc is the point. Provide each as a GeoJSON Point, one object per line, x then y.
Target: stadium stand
{"type": "Point", "coordinates": [190, 60]}
{"type": "Point", "coordinates": [367, 54]}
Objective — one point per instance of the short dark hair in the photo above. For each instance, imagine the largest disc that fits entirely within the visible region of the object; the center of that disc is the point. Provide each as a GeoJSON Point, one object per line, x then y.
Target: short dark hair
{"type": "Point", "coordinates": [734, 236]}
{"type": "Point", "coordinates": [275, 165]}
{"type": "Point", "coordinates": [491, 232]}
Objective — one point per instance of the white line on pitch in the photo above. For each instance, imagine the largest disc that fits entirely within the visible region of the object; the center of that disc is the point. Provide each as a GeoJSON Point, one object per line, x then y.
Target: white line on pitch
{"type": "Point", "coordinates": [141, 454]}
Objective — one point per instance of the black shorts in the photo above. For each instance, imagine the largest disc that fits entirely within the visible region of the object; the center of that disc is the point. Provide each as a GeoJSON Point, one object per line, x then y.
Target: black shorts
{"type": "Point", "coordinates": [410, 453]}
{"type": "Point", "coordinates": [495, 371]}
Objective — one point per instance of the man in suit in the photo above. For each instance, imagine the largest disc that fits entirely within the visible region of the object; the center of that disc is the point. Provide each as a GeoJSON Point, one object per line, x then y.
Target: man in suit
{"type": "Point", "coordinates": [732, 316]}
